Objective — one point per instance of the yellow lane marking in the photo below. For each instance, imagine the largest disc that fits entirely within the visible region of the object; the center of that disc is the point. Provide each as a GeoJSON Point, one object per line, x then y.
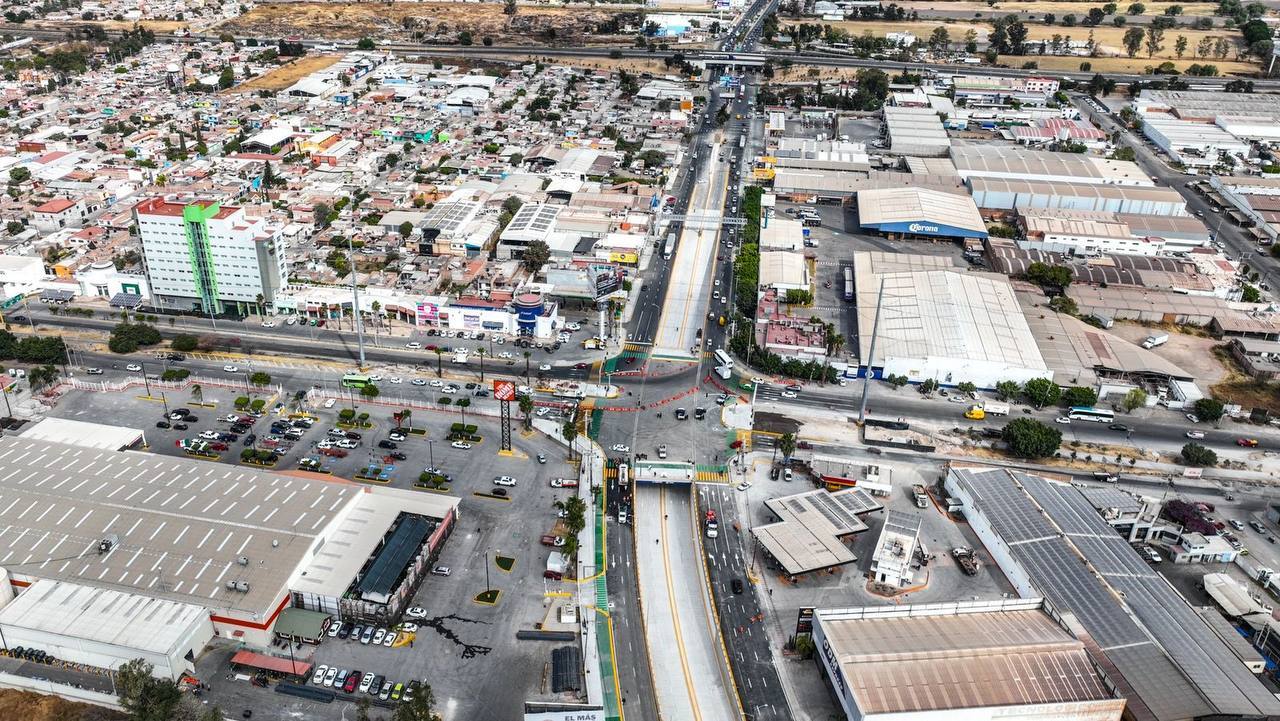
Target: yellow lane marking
{"type": "Point", "coordinates": [675, 616]}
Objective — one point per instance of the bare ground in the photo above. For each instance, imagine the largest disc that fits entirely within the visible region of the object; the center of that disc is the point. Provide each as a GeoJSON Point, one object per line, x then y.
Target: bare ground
{"type": "Point", "coordinates": [287, 74]}
{"type": "Point", "coordinates": [441, 21]}
{"type": "Point", "coordinates": [29, 706]}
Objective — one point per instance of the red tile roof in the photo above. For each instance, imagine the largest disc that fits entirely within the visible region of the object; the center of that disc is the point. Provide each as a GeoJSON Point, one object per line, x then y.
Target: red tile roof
{"type": "Point", "coordinates": [57, 205]}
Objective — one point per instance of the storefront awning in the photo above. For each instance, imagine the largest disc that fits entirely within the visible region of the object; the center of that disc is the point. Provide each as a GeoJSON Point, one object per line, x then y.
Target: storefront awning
{"type": "Point", "coordinates": [271, 663]}
{"type": "Point", "coordinates": [301, 623]}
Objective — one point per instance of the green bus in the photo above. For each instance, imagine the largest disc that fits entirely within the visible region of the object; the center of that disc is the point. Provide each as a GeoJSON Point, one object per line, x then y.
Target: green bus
{"type": "Point", "coordinates": [355, 380]}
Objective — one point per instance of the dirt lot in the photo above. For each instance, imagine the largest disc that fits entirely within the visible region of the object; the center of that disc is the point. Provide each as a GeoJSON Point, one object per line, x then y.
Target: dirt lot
{"type": "Point", "coordinates": [288, 74]}
{"type": "Point", "coordinates": [36, 707]}
{"type": "Point", "coordinates": [1193, 354]}
{"type": "Point", "coordinates": [440, 20]}
{"type": "Point", "coordinates": [1109, 40]}
{"type": "Point", "coordinates": [1057, 7]}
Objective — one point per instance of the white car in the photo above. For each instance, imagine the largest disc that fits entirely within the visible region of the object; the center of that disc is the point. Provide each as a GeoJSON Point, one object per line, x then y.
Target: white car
{"type": "Point", "coordinates": [449, 389]}
{"type": "Point", "coordinates": [330, 403]}
{"type": "Point", "coordinates": [542, 411]}
{"type": "Point", "coordinates": [437, 384]}
{"type": "Point", "coordinates": [437, 571]}
{"type": "Point", "coordinates": [230, 369]}
{"type": "Point", "coordinates": [743, 486]}
{"type": "Point", "coordinates": [268, 324]}
{"type": "Point", "coordinates": [326, 443]}
{"type": "Point", "coordinates": [790, 394]}
{"type": "Point", "coordinates": [505, 354]}
{"type": "Point", "coordinates": [416, 612]}
{"type": "Point", "coordinates": [133, 367]}
{"type": "Point", "coordinates": [620, 448]}
{"type": "Point", "coordinates": [408, 627]}
{"type": "Point", "coordinates": [397, 380]}
{"type": "Point", "coordinates": [378, 636]}
{"type": "Point", "coordinates": [1196, 435]}
{"type": "Point", "coordinates": [524, 390]}
{"type": "Point", "coordinates": [544, 366]}
{"type": "Point", "coordinates": [390, 639]}
{"type": "Point", "coordinates": [415, 345]}
{"type": "Point", "coordinates": [418, 382]}
{"type": "Point", "coordinates": [318, 678]}
{"type": "Point", "coordinates": [461, 445]}
{"type": "Point", "coordinates": [1063, 420]}
{"type": "Point", "coordinates": [290, 320]}
{"type": "Point", "coordinates": [574, 327]}
{"type": "Point", "coordinates": [209, 435]}
{"type": "Point", "coordinates": [1193, 418]}
{"type": "Point", "coordinates": [504, 481]}
{"type": "Point", "coordinates": [375, 377]}
{"type": "Point", "coordinates": [329, 676]}
{"type": "Point", "coordinates": [348, 444]}
{"type": "Point", "coordinates": [230, 418]}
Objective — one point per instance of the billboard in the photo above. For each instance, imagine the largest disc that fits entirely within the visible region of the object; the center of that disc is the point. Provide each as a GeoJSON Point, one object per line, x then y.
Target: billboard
{"type": "Point", "coordinates": [607, 282]}
{"type": "Point", "coordinates": [624, 257]}
{"type": "Point", "coordinates": [504, 390]}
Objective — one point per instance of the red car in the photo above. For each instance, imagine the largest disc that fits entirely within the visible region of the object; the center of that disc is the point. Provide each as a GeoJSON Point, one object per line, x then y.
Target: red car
{"type": "Point", "coordinates": [1247, 442]}
{"type": "Point", "coordinates": [353, 681]}
{"type": "Point", "coordinates": [334, 452]}
{"type": "Point", "coordinates": [217, 446]}
{"type": "Point", "coordinates": [711, 514]}
{"type": "Point", "coordinates": [580, 366]}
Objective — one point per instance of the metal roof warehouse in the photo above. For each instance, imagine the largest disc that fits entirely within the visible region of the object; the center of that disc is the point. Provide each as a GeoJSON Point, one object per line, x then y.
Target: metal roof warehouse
{"type": "Point", "coordinates": [229, 539]}
{"type": "Point", "coordinates": [808, 535]}
{"type": "Point", "coordinates": [920, 211]}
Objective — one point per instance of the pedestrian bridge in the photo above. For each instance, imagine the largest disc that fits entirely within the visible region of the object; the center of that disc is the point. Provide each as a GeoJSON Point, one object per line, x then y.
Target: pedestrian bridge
{"type": "Point", "coordinates": [675, 472]}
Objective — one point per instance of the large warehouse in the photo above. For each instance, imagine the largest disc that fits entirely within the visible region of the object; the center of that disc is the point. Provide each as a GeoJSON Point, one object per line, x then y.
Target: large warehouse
{"type": "Point", "coordinates": [175, 534]}
{"type": "Point", "coordinates": [920, 212]}
{"type": "Point", "coordinates": [938, 321]}
{"type": "Point", "coordinates": [1018, 163]}
{"type": "Point", "coordinates": [1004, 194]}
{"type": "Point", "coordinates": [1051, 543]}
{"type": "Point", "coordinates": [973, 660]}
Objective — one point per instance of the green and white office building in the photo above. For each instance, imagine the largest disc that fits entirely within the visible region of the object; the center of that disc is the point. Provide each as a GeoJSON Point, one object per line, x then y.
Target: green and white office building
{"type": "Point", "coordinates": [207, 257]}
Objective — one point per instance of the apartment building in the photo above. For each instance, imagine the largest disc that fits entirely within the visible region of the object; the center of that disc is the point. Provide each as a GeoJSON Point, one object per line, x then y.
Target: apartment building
{"type": "Point", "coordinates": [204, 256]}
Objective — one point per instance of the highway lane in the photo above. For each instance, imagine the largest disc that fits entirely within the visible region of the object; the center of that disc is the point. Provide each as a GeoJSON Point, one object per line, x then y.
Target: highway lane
{"type": "Point", "coordinates": [1167, 433]}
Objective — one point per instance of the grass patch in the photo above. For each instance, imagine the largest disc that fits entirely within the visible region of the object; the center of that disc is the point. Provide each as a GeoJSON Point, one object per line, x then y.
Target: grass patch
{"type": "Point", "coordinates": [506, 563]}
{"type": "Point", "coordinates": [488, 598]}
{"type": "Point", "coordinates": [1241, 388]}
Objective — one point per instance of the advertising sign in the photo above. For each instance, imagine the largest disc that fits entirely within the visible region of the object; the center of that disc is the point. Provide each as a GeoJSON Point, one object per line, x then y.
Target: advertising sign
{"type": "Point", "coordinates": [504, 390]}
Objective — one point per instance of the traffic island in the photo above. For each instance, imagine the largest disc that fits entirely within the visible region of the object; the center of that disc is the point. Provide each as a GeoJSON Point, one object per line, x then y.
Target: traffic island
{"type": "Point", "coordinates": [504, 563]}
{"type": "Point", "coordinates": [490, 496]}
{"type": "Point", "coordinates": [488, 598]}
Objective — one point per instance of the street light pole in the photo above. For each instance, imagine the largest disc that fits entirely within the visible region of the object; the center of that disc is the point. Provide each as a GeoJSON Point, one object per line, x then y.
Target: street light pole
{"type": "Point", "coordinates": [355, 300]}
{"type": "Point", "coordinates": [871, 353]}
{"type": "Point", "coordinates": [145, 384]}
{"type": "Point", "coordinates": [431, 452]}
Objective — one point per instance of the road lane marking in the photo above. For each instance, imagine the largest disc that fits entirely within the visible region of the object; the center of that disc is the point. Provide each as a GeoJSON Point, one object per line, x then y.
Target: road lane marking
{"type": "Point", "coordinates": [671, 602]}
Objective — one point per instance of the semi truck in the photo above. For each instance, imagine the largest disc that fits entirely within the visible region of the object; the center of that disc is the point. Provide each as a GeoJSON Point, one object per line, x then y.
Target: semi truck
{"type": "Point", "coordinates": [921, 495]}
{"type": "Point", "coordinates": [1155, 340]}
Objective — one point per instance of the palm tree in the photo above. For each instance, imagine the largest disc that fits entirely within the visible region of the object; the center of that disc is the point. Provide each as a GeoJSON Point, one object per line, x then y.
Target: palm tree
{"type": "Point", "coordinates": [439, 368]}
{"type": "Point", "coordinates": [570, 433]}
{"type": "Point", "coordinates": [787, 444]}
{"type": "Point", "coordinates": [197, 394]}
{"type": "Point", "coordinates": [262, 299]}
{"type": "Point", "coordinates": [480, 355]}
{"type": "Point", "coordinates": [526, 407]}
{"type": "Point", "coordinates": [462, 405]}
{"type": "Point", "coordinates": [526, 366]}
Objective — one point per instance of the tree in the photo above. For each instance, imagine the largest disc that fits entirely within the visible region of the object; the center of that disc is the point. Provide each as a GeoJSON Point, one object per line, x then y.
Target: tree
{"type": "Point", "coordinates": [19, 175]}
{"type": "Point", "coordinates": [406, 229]}
{"type": "Point", "coordinates": [1155, 40]}
{"type": "Point", "coordinates": [570, 432]}
{"type": "Point", "coordinates": [197, 393]}
{"type": "Point", "coordinates": [1194, 454]}
{"type": "Point", "coordinates": [1208, 409]}
{"type": "Point", "coordinates": [1079, 396]}
{"type": "Point", "coordinates": [1029, 438]}
{"type": "Point", "coordinates": [41, 376]}
{"type": "Point", "coordinates": [939, 39]}
{"type": "Point", "coordinates": [966, 387]}
{"type": "Point", "coordinates": [226, 78]}
{"type": "Point", "coordinates": [787, 445]}
{"type": "Point", "coordinates": [1250, 294]}
{"type": "Point", "coordinates": [509, 7]}
{"type": "Point", "coordinates": [144, 697]}
{"type": "Point", "coordinates": [1180, 46]}
{"type": "Point", "coordinates": [369, 391]}
{"type": "Point", "coordinates": [536, 254]}
{"type": "Point", "coordinates": [929, 385]}
{"type": "Point", "coordinates": [1134, 399]}
{"type": "Point", "coordinates": [1173, 10]}
{"type": "Point", "coordinates": [1136, 9]}
{"type": "Point", "coordinates": [1133, 40]}
{"type": "Point", "coordinates": [1041, 392]}
{"type": "Point", "coordinates": [320, 215]}
{"type": "Point", "coordinates": [260, 379]}
{"type": "Point", "coordinates": [1049, 276]}
{"type": "Point", "coordinates": [362, 708]}
{"type": "Point", "coordinates": [420, 708]}
{"type": "Point", "coordinates": [1006, 390]}
{"type": "Point", "coordinates": [439, 368]}
{"type": "Point", "coordinates": [365, 44]}
{"type": "Point", "coordinates": [127, 337]}
{"type": "Point", "coordinates": [1204, 47]}
{"type": "Point", "coordinates": [526, 408]}
{"type": "Point", "coordinates": [184, 343]}
{"type": "Point", "coordinates": [463, 404]}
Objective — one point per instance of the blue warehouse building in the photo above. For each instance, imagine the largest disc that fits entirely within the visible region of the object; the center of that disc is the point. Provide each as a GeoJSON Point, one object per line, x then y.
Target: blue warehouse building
{"type": "Point", "coordinates": [920, 213]}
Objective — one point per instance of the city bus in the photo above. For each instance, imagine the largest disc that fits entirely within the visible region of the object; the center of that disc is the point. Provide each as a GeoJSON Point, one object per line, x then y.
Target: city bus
{"type": "Point", "coordinates": [1085, 413]}
{"type": "Point", "coordinates": [848, 283]}
{"type": "Point", "coordinates": [724, 364]}
{"type": "Point", "coordinates": [670, 247]}
{"type": "Point", "coordinates": [355, 380]}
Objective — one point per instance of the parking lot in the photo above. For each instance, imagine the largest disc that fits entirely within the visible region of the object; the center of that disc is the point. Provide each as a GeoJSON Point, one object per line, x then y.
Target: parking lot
{"type": "Point", "coordinates": [465, 649]}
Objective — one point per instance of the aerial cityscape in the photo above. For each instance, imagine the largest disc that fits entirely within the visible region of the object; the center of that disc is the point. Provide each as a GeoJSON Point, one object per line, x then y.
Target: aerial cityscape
{"type": "Point", "coordinates": [685, 360]}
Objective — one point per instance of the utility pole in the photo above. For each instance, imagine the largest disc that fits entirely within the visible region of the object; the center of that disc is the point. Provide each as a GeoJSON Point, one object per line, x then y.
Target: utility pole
{"type": "Point", "coordinates": [871, 354]}
{"type": "Point", "coordinates": [355, 300]}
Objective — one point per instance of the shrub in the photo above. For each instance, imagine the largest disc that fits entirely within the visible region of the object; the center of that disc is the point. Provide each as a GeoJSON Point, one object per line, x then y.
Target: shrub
{"type": "Point", "coordinates": [184, 343]}
{"type": "Point", "coordinates": [346, 414]}
{"type": "Point", "coordinates": [1195, 454]}
{"type": "Point", "coordinates": [242, 402]}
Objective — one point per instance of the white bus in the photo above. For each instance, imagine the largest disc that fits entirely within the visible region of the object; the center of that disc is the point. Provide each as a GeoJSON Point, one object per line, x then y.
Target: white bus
{"type": "Point", "coordinates": [670, 247]}
{"type": "Point", "coordinates": [1085, 413]}
{"type": "Point", "coordinates": [724, 364]}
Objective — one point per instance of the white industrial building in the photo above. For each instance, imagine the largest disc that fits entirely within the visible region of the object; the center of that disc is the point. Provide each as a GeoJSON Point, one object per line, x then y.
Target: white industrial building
{"type": "Point", "coordinates": [205, 256]}
{"type": "Point", "coordinates": [166, 535]}
{"type": "Point", "coordinates": [938, 321]}
{"type": "Point", "coordinates": [1004, 194]}
{"type": "Point", "coordinates": [893, 563]}
{"type": "Point", "coordinates": [1192, 144]}
{"type": "Point", "coordinates": [106, 628]}
{"type": "Point", "coordinates": [971, 660]}
{"type": "Point", "coordinates": [1051, 542]}
{"type": "Point", "coordinates": [784, 270]}
{"type": "Point", "coordinates": [916, 131]}
{"type": "Point", "coordinates": [1019, 163]}
{"type": "Point", "coordinates": [1082, 233]}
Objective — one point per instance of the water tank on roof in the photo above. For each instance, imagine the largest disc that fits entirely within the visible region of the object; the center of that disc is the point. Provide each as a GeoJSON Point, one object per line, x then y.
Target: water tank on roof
{"type": "Point", "coordinates": [528, 307]}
